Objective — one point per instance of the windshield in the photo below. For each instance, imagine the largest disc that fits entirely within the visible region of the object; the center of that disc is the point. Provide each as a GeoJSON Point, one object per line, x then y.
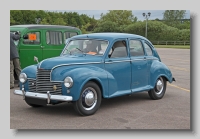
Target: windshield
{"type": "Point", "coordinates": [15, 41]}
{"type": "Point", "coordinates": [88, 46]}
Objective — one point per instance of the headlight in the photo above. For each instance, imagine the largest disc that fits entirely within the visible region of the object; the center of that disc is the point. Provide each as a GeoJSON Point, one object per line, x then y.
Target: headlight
{"type": "Point", "coordinates": [68, 82]}
{"type": "Point", "coordinates": [22, 77]}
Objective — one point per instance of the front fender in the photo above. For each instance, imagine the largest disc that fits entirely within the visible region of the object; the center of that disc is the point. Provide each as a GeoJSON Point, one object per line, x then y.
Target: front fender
{"type": "Point", "coordinates": [81, 75]}
{"type": "Point", "coordinates": [30, 71]}
{"type": "Point", "coordinates": [159, 69]}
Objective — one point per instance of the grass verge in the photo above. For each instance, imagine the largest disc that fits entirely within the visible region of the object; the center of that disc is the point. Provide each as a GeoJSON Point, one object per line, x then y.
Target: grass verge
{"type": "Point", "coordinates": [173, 46]}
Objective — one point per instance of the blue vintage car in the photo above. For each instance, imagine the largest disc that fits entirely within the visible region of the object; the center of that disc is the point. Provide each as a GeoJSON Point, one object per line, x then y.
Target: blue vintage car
{"type": "Point", "coordinates": [96, 66]}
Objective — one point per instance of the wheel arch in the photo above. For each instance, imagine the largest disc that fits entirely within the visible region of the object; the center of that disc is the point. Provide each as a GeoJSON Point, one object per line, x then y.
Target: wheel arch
{"type": "Point", "coordinates": [96, 81]}
{"type": "Point", "coordinates": [161, 75]}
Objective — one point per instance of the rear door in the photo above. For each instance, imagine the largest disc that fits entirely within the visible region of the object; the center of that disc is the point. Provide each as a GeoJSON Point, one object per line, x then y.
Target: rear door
{"type": "Point", "coordinates": [53, 43]}
{"type": "Point", "coordinates": [139, 66]}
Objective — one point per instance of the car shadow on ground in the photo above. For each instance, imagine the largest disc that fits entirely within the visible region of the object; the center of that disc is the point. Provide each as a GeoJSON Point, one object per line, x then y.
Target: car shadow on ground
{"type": "Point", "coordinates": [67, 108]}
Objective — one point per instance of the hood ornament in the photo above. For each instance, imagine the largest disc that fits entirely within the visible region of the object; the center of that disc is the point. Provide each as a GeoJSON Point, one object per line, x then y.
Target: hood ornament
{"type": "Point", "coordinates": [36, 59]}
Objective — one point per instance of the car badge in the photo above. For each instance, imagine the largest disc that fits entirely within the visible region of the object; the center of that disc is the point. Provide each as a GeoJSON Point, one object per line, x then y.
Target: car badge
{"type": "Point", "coordinates": [54, 87]}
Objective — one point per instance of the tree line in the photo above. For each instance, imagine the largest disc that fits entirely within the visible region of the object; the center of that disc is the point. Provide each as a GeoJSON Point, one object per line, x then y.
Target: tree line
{"type": "Point", "coordinates": [173, 26]}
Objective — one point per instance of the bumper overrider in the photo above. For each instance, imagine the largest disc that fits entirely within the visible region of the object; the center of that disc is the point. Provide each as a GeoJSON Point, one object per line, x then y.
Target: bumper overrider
{"type": "Point", "coordinates": [47, 96]}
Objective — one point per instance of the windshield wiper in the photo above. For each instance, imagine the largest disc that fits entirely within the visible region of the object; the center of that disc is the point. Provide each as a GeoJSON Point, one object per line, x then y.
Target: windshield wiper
{"type": "Point", "coordinates": [69, 51]}
{"type": "Point", "coordinates": [80, 50]}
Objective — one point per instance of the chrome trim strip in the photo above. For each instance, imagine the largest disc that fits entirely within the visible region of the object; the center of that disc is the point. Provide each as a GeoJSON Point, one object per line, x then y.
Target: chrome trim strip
{"type": "Point", "coordinates": [47, 96]}
{"type": "Point", "coordinates": [144, 59]}
{"type": "Point", "coordinates": [138, 59]}
{"type": "Point", "coordinates": [75, 64]}
{"type": "Point", "coordinates": [40, 63]}
{"type": "Point", "coordinates": [117, 61]}
{"type": "Point", "coordinates": [56, 81]}
{"type": "Point", "coordinates": [43, 61]}
{"type": "Point", "coordinates": [31, 78]}
{"type": "Point", "coordinates": [151, 59]}
{"type": "Point", "coordinates": [71, 64]}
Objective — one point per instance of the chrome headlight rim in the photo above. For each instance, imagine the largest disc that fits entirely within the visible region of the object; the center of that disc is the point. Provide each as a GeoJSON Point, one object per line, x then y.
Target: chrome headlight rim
{"type": "Point", "coordinates": [22, 77]}
{"type": "Point", "coordinates": [68, 82]}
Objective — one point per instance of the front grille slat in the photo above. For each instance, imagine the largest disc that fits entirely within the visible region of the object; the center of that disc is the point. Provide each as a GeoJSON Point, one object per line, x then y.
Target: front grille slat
{"type": "Point", "coordinates": [42, 83]}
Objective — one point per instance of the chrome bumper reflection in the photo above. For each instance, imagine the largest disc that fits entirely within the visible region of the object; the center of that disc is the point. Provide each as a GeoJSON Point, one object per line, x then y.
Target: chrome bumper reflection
{"type": "Point", "coordinates": [47, 96]}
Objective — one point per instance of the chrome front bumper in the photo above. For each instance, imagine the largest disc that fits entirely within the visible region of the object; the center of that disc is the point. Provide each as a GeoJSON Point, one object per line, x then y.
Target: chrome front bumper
{"type": "Point", "coordinates": [47, 96]}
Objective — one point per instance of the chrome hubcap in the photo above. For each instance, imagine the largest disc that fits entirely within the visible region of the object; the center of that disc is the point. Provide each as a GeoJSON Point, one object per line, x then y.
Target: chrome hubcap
{"type": "Point", "coordinates": [159, 86]}
{"type": "Point", "coordinates": [89, 98]}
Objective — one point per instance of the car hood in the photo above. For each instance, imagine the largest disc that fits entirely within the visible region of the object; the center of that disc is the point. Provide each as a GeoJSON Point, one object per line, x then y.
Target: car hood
{"type": "Point", "coordinates": [68, 60]}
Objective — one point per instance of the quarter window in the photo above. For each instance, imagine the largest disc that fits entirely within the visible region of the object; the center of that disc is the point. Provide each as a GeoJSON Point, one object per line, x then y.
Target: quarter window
{"type": "Point", "coordinates": [54, 37]}
{"type": "Point", "coordinates": [28, 41]}
{"type": "Point", "coordinates": [148, 49]}
{"type": "Point", "coordinates": [136, 48]}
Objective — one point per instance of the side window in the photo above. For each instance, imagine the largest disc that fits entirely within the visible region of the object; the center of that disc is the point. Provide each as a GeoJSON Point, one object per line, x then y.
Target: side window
{"type": "Point", "coordinates": [54, 37]}
{"type": "Point", "coordinates": [136, 48]}
{"type": "Point", "coordinates": [36, 41]}
{"type": "Point", "coordinates": [69, 35]}
{"type": "Point", "coordinates": [148, 49]}
{"type": "Point", "coordinates": [118, 50]}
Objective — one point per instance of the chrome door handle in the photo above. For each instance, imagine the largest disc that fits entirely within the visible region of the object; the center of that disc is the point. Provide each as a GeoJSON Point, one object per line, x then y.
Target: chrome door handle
{"type": "Point", "coordinates": [42, 46]}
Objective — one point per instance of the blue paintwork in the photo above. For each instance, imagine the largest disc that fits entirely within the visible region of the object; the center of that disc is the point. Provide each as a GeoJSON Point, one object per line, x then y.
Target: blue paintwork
{"type": "Point", "coordinates": [115, 76]}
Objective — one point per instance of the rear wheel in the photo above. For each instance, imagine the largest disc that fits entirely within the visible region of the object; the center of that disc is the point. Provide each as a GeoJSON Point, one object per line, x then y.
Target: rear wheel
{"type": "Point", "coordinates": [159, 89]}
{"type": "Point", "coordinates": [90, 99]}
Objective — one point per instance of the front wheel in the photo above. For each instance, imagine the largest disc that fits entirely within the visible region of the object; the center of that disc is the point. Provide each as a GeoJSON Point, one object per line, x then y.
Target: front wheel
{"type": "Point", "coordinates": [159, 89]}
{"type": "Point", "coordinates": [89, 100]}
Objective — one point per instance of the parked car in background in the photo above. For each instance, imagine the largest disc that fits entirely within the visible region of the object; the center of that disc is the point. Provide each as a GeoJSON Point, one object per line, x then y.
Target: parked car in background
{"type": "Point", "coordinates": [96, 66]}
{"type": "Point", "coordinates": [42, 41]}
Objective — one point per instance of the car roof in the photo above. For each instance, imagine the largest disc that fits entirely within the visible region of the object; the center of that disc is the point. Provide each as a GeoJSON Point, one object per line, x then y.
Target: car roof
{"type": "Point", "coordinates": [36, 26]}
{"type": "Point", "coordinates": [109, 36]}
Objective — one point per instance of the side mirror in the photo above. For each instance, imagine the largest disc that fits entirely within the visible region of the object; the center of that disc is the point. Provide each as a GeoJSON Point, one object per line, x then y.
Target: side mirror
{"type": "Point", "coordinates": [25, 36]}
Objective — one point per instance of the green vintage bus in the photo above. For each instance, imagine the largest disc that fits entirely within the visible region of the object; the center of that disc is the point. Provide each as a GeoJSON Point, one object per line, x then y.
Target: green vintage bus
{"type": "Point", "coordinates": [41, 41]}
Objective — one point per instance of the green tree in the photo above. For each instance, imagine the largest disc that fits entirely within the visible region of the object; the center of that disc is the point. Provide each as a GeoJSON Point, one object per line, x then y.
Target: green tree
{"type": "Point", "coordinates": [44, 21]}
{"type": "Point", "coordinates": [183, 25]}
{"type": "Point", "coordinates": [12, 21]}
{"type": "Point", "coordinates": [107, 26]}
{"type": "Point", "coordinates": [28, 16]}
{"type": "Point", "coordinates": [115, 21]}
{"type": "Point", "coordinates": [17, 16]}
{"type": "Point", "coordinates": [173, 17]}
{"type": "Point", "coordinates": [120, 17]}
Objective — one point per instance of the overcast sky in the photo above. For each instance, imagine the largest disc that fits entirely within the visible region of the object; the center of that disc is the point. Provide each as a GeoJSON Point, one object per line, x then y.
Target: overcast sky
{"type": "Point", "coordinates": [138, 13]}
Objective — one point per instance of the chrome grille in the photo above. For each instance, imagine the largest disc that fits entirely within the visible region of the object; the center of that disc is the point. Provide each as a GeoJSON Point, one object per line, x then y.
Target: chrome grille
{"type": "Point", "coordinates": [31, 85]}
{"type": "Point", "coordinates": [42, 83]}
